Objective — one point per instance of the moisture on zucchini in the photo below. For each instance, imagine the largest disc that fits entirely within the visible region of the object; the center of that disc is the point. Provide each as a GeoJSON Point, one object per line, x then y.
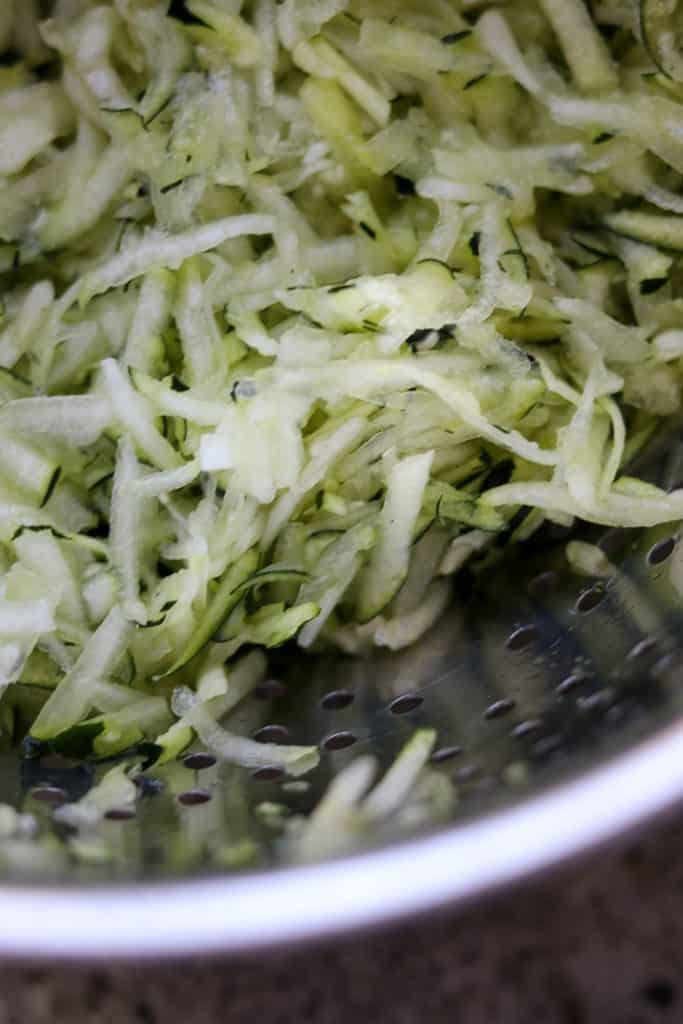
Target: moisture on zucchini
{"type": "Point", "coordinates": [303, 307]}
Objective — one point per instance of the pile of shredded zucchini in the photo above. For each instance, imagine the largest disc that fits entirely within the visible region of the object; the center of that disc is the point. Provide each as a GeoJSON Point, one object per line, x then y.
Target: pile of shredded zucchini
{"type": "Point", "coordinates": [304, 304]}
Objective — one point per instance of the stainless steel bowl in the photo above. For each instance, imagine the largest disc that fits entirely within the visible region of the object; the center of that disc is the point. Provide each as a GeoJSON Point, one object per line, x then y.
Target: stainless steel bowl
{"type": "Point", "coordinates": [558, 703]}
{"type": "Point", "coordinates": [271, 908]}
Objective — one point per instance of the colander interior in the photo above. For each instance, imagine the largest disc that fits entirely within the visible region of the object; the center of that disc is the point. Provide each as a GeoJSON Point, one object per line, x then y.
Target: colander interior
{"type": "Point", "coordinates": [535, 675]}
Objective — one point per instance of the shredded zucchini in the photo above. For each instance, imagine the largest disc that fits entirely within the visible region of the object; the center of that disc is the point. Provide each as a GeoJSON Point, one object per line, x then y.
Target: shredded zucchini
{"type": "Point", "coordinates": [300, 303]}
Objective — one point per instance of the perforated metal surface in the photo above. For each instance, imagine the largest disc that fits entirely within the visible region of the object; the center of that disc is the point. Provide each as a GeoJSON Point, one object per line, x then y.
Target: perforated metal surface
{"type": "Point", "coordinates": [535, 676]}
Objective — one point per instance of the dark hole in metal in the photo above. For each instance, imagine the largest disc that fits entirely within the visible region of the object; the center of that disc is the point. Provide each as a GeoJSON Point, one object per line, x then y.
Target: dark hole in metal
{"type": "Point", "coordinates": [198, 761]}
{"type": "Point", "coordinates": [521, 638]}
{"type": "Point", "coordinates": [642, 648]}
{"type": "Point", "coordinates": [596, 701]}
{"type": "Point", "coordinates": [272, 734]}
{"type": "Point", "coordinates": [339, 741]}
{"type": "Point", "coordinates": [445, 754]}
{"type": "Point", "coordinates": [335, 700]}
{"type": "Point", "coordinates": [406, 703]}
{"type": "Point", "coordinates": [120, 814]}
{"type": "Point", "coordinates": [499, 708]}
{"type": "Point", "coordinates": [269, 774]}
{"type": "Point", "coordinates": [660, 551]}
{"type": "Point", "coordinates": [270, 689]}
{"type": "Point", "coordinates": [570, 684]}
{"type": "Point", "coordinates": [52, 795]}
{"type": "Point", "coordinates": [590, 599]}
{"type": "Point", "coordinates": [527, 728]}
{"type": "Point", "coordinates": [547, 746]}
{"type": "Point", "coordinates": [53, 771]}
{"type": "Point", "coordinates": [192, 797]}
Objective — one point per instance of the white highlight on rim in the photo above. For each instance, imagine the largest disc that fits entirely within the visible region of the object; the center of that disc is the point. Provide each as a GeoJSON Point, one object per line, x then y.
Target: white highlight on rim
{"type": "Point", "coordinates": [246, 913]}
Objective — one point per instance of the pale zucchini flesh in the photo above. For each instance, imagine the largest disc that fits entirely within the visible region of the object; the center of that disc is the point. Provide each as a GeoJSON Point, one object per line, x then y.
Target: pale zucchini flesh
{"type": "Point", "coordinates": [661, 27]}
{"type": "Point", "coordinates": [303, 307]}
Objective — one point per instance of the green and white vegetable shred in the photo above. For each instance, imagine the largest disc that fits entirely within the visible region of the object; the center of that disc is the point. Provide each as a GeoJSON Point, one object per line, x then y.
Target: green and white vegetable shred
{"type": "Point", "coordinates": [301, 303]}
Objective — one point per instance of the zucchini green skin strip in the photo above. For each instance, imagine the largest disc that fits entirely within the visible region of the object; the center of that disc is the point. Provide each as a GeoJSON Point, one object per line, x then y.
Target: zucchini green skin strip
{"type": "Point", "coordinates": [228, 594]}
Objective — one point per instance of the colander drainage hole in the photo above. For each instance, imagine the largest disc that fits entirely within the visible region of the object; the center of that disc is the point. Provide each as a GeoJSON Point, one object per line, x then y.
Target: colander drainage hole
{"type": "Point", "coordinates": [336, 700]}
{"type": "Point", "coordinates": [406, 703]}
{"type": "Point", "coordinates": [660, 551]}
{"type": "Point", "coordinates": [272, 734]}
{"type": "Point", "coordinates": [527, 728]}
{"type": "Point", "coordinates": [268, 774]}
{"type": "Point", "coordinates": [270, 689]}
{"type": "Point", "coordinates": [547, 746]}
{"type": "Point", "coordinates": [198, 761]}
{"type": "Point", "coordinates": [339, 741]}
{"type": "Point", "coordinates": [193, 797]}
{"type": "Point", "coordinates": [499, 708]}
{"type": "Point", "coordinates": [120, 814]}
{"type": "Point", "coordinates": [568, 685]}
{"type": "Point", "coordinates": [642, 648]}
{"type": "Point", "coordinates": [52, 795]}
{"type": "Point", "coordinates": [599, 701]}
{"type": "Point", "coordinates": [445, 754]}
{"type": "Point", "coordinates": [521, 638]}
{"type": "Point", "coordinates": [590, 599]}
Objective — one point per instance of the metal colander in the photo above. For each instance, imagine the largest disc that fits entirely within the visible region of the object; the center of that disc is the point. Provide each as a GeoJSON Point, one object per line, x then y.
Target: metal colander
{"type": "Point", "coordinates": [553, 696]}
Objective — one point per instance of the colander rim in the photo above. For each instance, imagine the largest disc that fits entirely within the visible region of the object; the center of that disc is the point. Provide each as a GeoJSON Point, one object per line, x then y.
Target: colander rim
{"type": "Point", "coordinates": [247, 913]}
